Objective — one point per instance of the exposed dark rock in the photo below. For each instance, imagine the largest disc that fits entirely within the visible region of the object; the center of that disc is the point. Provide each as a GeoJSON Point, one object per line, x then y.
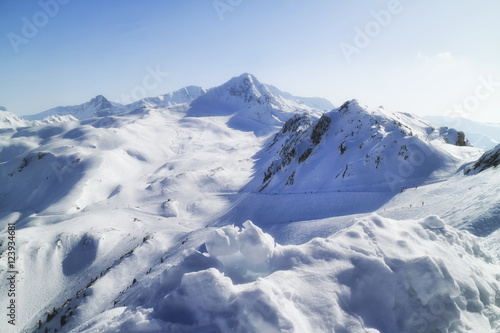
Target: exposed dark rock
{"type": "Point", "coordinates": [461, 139]}
{"type": "Point", "coordinates": [305, 155]}
{"type": "Point", "coordinates": [490, 159]}
{"type": "Point", "coordinates": [321, 127]}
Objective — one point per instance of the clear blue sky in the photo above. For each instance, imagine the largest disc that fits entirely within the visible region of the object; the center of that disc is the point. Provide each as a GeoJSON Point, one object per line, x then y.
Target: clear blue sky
{"type": "Point", "coordinates": [425, 58]}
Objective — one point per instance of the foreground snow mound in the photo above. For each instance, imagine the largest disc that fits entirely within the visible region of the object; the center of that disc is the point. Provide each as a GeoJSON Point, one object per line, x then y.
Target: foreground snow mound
{"type": "Point", "coordinates": [379, 275]}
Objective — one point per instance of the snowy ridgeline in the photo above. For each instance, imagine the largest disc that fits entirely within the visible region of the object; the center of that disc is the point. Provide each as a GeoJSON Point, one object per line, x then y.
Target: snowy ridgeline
{"type": "Point", "coordinates": [379, 275]}
{"type": "Point", "coordinates": [358, 148]}
{"type": "Point", "coordinates": [9, 121]}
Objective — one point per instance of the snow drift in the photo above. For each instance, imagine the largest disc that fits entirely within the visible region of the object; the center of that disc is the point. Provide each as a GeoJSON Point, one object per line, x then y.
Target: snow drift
{"type": "Point", "coordinates": [379, 275]}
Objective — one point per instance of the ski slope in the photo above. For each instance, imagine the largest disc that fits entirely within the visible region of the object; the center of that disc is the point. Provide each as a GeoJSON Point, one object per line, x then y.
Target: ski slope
{"type": "Point", "coordinates": [156, 219]}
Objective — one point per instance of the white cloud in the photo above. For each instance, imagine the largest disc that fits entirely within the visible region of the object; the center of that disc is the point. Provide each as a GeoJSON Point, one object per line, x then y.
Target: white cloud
{"type": "Point", "coordinates": [444, 56]}
{"type": "Point", "coordinates": [440, 57]}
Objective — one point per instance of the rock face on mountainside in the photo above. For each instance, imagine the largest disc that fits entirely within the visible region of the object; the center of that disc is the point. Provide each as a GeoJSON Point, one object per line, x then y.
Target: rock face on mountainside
{"type": "Point", "coordinates": [355, 147]}
{"type": "Point", "coordinates": [461, 139]}
{"type": "Point", "coordinates": [490, 159]}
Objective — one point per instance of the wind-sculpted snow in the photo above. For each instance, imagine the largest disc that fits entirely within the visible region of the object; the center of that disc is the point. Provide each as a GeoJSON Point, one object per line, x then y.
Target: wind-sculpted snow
{"type": "Point", "coordinates": [379, 275]}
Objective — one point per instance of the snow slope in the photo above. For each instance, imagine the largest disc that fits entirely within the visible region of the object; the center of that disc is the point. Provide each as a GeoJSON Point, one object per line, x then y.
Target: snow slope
{"type": "Point", "coordinates": [137, 222]}
{"type": "Point", "coordinates": [95, 188]}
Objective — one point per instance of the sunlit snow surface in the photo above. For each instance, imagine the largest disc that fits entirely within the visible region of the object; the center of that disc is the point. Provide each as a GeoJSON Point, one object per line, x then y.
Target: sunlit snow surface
{"type": "Point", "coordinates": [153, 221]}
{"type": "Point", "coordinates": [378, 275]}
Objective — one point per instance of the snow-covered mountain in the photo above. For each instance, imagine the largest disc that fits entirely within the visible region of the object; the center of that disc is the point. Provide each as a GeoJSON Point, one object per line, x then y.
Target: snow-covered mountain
{"type": "Point", "coordinates": [137, 222]}
{"type": "Point", "coordinates": [249, 105]}
{"type": "Point", "coordinates": [181, 96]}
{"type": "Point", "coordinates": [10, 120]}
{"type": "Point", "coordinates": [97, 107]}
{"type": "Point", "coordinates": [357, 148]}
{"type": "Point", "coordinates": [481, 135]}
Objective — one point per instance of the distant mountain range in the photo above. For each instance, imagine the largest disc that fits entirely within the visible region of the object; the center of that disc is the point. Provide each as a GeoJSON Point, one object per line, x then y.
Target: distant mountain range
{"type": "Point", "coordinates": [269, 102]}
{"type": "Point", "coordinates": [276, 100]}
{"type": "Point", "coordinates": [481, 135]}
{"type": "Point", "coordinates": [10, 120]}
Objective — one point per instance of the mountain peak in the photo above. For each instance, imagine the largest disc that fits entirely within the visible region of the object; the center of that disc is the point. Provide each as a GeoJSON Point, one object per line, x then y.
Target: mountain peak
{"type": "Point", "coordinates": [247, 87]}
{"type": "Point", "coordinates": [100, 103]}
{"type": "Point", "coordinates": [247, 76]}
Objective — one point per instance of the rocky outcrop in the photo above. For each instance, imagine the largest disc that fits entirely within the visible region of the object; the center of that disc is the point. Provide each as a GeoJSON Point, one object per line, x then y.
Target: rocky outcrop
{"type": "Point", "coordinates": [490, 159]}
{"type": "Point", "coordinates": [461, 142]}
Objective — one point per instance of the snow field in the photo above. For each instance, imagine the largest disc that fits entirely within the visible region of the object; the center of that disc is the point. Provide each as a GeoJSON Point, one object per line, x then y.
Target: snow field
{"type": "Point", "coordinates": [378, 275]}
{"type": "Point", "coordinates": [139, 222]}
